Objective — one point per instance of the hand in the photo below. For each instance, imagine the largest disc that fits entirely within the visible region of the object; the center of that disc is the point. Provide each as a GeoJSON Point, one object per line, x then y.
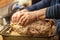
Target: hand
{"type": "Point", "coordinates": [25, 17]}
{"type": "Point", "coordinates": [17, 15]}
{"type": "Point", "coordinates": [28, 17]}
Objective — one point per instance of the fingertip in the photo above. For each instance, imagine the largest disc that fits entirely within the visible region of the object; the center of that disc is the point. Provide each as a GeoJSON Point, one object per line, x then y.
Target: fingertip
{"type": "Point", "coordinates": [26, 22]}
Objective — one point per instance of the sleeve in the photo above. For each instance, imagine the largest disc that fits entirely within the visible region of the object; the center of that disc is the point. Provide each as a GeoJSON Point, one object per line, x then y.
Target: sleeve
{"type": "Point", "coordinates": [39, 5]}
{"type": "Point", "coordinates": [53, 12]}
{"type": "Point", "coordinates": [58, 26]}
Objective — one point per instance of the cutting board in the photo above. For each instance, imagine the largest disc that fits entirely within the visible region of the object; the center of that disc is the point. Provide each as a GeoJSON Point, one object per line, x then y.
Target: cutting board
{"type": "Point", "coordinates": [4, 3]}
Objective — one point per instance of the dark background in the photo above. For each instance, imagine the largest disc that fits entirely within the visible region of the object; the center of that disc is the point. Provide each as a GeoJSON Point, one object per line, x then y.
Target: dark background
{"type": "Point", "coordinates": [35, 1]}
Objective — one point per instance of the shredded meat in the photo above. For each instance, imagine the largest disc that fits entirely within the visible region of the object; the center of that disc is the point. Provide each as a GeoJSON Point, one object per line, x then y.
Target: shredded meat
{"type": "Point", "coordinates": [41, 27]}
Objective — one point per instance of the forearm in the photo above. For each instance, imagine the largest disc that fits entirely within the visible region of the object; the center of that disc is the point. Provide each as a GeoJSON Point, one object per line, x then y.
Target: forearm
{"type": "Point", "coordinates": [52, 12]}
{"type": "Point", "coordinates": [41, 14]}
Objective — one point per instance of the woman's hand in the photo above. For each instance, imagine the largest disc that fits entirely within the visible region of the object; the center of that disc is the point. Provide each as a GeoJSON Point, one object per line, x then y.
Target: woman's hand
{"type": "Point", "coordinates": [27, 18]}
{"type": "Point", "coordinates": [24, 18]}
{"type": "Point", "coordinates": [31, 16]}
{"type": "Point", "coordinates": [17, 15]}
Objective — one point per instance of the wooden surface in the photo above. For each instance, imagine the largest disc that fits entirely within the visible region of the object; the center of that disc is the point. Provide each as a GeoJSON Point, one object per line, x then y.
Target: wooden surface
{"type": "Point", "coordinates": [1, 38]}
{"type": "Point", "coordinates": [4, 3]}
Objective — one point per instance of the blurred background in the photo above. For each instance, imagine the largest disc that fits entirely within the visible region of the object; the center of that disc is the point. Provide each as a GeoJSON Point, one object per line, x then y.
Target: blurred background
{"type": "Point", "coordinates": [4, 4]}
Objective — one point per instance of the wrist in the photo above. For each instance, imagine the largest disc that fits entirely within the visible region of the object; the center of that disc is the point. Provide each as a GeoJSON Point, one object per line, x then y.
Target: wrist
{"type": "Point", "coordinates": [41, 14]}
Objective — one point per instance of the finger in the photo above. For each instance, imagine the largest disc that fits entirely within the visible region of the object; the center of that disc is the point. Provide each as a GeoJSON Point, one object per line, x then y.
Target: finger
{"type": "Point", "coordinates": [26, 22]}
{"type": "Point", "coordinates": [20, 20]}
{"type": "Point", "coordinates": [17, 13]}
{"type": "Point", "coordinates": [14, 18]}
{"type": "Point", "coordinates": [14, 15]}
{"type": "Point", "coordinates": [19, 16]}
{"type": "Point", "coordinates": [23, 21]}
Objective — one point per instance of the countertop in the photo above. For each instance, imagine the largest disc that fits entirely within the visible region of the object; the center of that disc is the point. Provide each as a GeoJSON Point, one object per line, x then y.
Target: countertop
{"type": "Point", "coordinates": [1, 38]}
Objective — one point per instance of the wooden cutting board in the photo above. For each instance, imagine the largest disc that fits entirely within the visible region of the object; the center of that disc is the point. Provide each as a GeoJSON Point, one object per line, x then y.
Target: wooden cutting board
{"type": "Point", "coordinates": [1, 38]}
{"type": "Point", "coordinates": [4, 3]}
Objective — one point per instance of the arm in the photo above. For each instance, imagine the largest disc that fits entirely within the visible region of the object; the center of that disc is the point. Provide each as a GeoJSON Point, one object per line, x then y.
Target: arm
{"type": "Point", "coordinates": [39, 5]}
{"type": "Point", "coordinates": [52, 12]}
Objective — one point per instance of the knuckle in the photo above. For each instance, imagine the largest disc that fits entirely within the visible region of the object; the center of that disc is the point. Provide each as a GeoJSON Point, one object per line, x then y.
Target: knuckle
{"type": "Point", "coordinates": [13, 16]}
{"type": "Point", "coordinates": [28, 17]}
